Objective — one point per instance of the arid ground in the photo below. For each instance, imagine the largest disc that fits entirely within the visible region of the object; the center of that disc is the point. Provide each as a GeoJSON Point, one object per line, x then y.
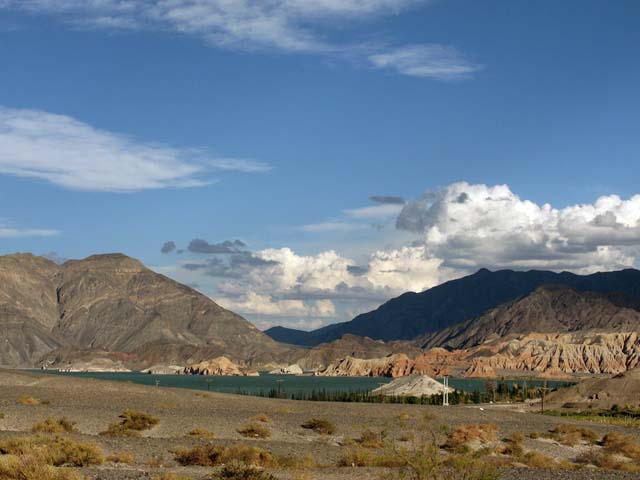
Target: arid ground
{"type": "Point", "coordinates": [27, 398]}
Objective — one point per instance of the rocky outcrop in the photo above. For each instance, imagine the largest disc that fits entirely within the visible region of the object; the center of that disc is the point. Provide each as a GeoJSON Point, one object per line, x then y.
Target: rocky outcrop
{"type": "Point", "coordinates": [164, 370]}
{"type": "Point", "coordinates": [294, 369]}
{"type": "Point", "coordinates": [113, 303]}
{"type": "Point", "coordinates": [536, 354]}
{"type": "Point", "coordinates": [412, 386]}
{"type": "Point", "coordinates": [558, 354]}
{"type": "Point", "coordinates": [323, 355]}
{"type": "Point", "coordinates": [215, 366]}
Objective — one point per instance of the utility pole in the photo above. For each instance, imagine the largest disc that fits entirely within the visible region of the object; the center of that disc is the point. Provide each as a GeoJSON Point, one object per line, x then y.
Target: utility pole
{"type": "Point", "coordinates": [544, 391]}
{"type": "Point", "coordinates": [445, 396]}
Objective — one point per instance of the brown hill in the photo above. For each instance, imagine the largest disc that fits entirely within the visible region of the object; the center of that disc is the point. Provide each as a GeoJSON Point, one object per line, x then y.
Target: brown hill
{"type": "Point", "coordinates": [112, 303]}
{"type": "Point", "coordinates": [622, 390]}
{"type": "Point", "coordinates": [548, 309]}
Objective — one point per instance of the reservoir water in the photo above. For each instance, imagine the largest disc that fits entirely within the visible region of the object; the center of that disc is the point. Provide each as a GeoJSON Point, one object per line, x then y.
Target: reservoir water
{"type": "Point", "coordinates": [290, 384]}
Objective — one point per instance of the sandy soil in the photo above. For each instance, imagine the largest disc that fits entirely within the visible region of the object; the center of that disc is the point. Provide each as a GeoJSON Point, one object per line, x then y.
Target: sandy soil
{"type": "Point", "coordinates": [93, 404]}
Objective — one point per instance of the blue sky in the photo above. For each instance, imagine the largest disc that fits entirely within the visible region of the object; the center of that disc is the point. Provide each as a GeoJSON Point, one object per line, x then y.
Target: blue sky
{"type": "Point", "coordinates": [124, 125]}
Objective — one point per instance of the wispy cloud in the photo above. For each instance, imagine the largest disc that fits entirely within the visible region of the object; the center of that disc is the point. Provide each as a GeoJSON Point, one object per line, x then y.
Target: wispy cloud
{"type": "Point", "coordinates": [7, 231]}
{"type": "Point", "coordinates": [376, 211]}
{"type": "Point", "coordinates": [72, 154]}
{"type": "Point", "coordinates": [280, 25]}
{"type": "Point", "coordinates": [239, 165]}
{"type": "Point", "coordinates": [332, 227]}
{"type": "Point", "coordinates": [431, 60]}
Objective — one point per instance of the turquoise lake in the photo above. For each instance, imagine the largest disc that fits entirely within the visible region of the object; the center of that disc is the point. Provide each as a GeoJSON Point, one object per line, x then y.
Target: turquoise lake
{"type": "Point", "coordinates": [290, 384]}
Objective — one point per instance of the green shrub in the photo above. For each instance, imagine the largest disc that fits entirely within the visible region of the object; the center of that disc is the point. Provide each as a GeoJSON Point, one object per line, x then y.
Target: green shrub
{"type": "Point", "coordinates": [131, 425]}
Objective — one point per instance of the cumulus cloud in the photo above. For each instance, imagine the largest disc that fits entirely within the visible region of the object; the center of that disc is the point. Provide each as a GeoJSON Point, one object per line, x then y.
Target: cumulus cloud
{"type": "Point", "coordinates": [72, 154]}
{"type": "Point", "coordinates": [431, 60]}
{"type": "Point", "coordinates": [469, 226]}
{"type": "Point", "coordinates": [455, 231]}
{"type": "Point", "coordinates": [198, 245]}
{"type": "Point", "coordinates": [281, 25]}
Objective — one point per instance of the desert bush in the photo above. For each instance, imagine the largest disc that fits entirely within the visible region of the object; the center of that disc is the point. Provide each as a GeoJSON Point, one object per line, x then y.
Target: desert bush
{"type": "Point", "coordinates": [371, 439]}
{"type": "Point", "coordinates": [122, 457]}
{"type": "Point", "coordinates": [201, 433]}
{"type": "Point", "coordinates": [362, 457]}
{"type": "Point", "coordinates": [29, 400]}
{"type": "Point", "coordinates": [30, 468]}
{"type": "Point", "coordinates": [55, 451]}
{"type": "Point", "coordinates": [239, 471]}
{"type": "Point", "coordinates": [619, 443]}
{"type": "Point", "coordinates": [404, 416]}
{"type": "Point", "coordinates": [255, 430]}
{"type": "Point", "coordinates": [607, 460]}
{"type": "Point", "coordinates": [513, 445]}
{"type": "Point", "coordinates": [320, 425]}
{"type": "Point", "coordinates": [261, 418]}
{"type": "Point", "coordinates": [534, 435]}
{"type": "Point", "coordinates": [536, 460]}
{"type": "Point", "coordinates": [212, 455]}
{"type": "Point", "coordinates": [572, 435]}
{"type": "Point", "coordinates": [296, 463]}
{"type": "Point", "coordinates": [52, 425]}
{"type": "Point", "coordinates": [131, 425]}
{"type": "Point", "coordinates": [460, 438]}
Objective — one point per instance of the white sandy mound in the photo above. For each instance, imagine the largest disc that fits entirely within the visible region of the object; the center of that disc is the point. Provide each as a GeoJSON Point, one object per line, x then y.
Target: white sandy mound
{"type": "Point", "coordinates": [411, 386]}
{"type": "Point", "coordinates": [294, 369]}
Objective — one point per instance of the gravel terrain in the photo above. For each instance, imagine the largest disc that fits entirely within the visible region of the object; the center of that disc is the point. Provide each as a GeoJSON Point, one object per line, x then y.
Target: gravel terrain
{"type": "Point", "coordinates": [94, 404]}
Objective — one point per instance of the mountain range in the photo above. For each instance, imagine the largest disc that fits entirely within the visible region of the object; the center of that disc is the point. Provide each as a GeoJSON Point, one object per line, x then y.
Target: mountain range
{"type": "Point", "coordinates": [111, 312]}
{"type": "Point", "coordinates": [413, 315]}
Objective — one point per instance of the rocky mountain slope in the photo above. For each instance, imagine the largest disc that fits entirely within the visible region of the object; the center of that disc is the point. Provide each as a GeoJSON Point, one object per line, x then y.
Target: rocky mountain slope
{"type": "Point", "coordinates": [112, 303]}
{"type": "Point", "coordinates": [415, 314]}
{"type": "Point", "coordinates": [553, 331]}
{"type": "Point", "coordinates": [548, 309]}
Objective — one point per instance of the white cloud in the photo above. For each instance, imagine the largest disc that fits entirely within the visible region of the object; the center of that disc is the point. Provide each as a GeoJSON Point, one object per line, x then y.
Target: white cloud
{"type": "Point", "coordinates": [283, 25]}
{"type": "Point", "coordinates": [470, 226]}
{"type": "Point", "coordinates": [72, 154]}
{"type": "Point", "coordinates": [429, 60]}
{"type": "Point", "coordinates": [9, 232]}
{"type": "Point", "coordinates": [260, 304]}
{"type": "Point", "coordinates": [375, 212]}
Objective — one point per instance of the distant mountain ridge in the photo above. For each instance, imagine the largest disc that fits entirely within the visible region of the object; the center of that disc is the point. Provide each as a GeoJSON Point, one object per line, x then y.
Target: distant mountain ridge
{"type": "Point", "coordinates": [413, 315]}
{"type": "Point", "coordinates": [113, 304]}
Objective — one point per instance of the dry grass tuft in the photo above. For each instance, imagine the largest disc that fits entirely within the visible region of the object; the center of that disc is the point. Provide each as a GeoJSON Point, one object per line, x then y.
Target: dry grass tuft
{"type": "Point", "coordinates": [29, 400]}
{"type": "Point", "coordinates": [607, 460]}
{"type": "Point", "coordinates": [460, 438]}
{"type": "Point", "coordinates": [31, 468]}
{"type": "Point", "coordinates": [213, 455]}
{"type": "Point", "coordinates": [238, 471]}
{"type": "Point", "coordinates": [131, 425]}
{"type": "Point", "coordinates": [319, 425]}
{"type": "Point", "coordinates": [52, 425]}
{"type": "Point", "coordinates": [201, 433]}
{"type": "Point", "coordinates": [261, 418]}
{"type": "Point", "coordinates": [536, 460]}
{"type": "Point", "coordinates": [125, 458]}
{"type": "Point", "coordinates": [571, 435]}
{"type": "Point", "coordinates": [362, 457]}
{"type": "Point", "coordinates": [626, 445]}
{"type": "Point", "coordinates": [371, 439]}
{"type": "Point", "coordinates": [55, 451]}
{"type": "Point", "coordinates": [255, 430]}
